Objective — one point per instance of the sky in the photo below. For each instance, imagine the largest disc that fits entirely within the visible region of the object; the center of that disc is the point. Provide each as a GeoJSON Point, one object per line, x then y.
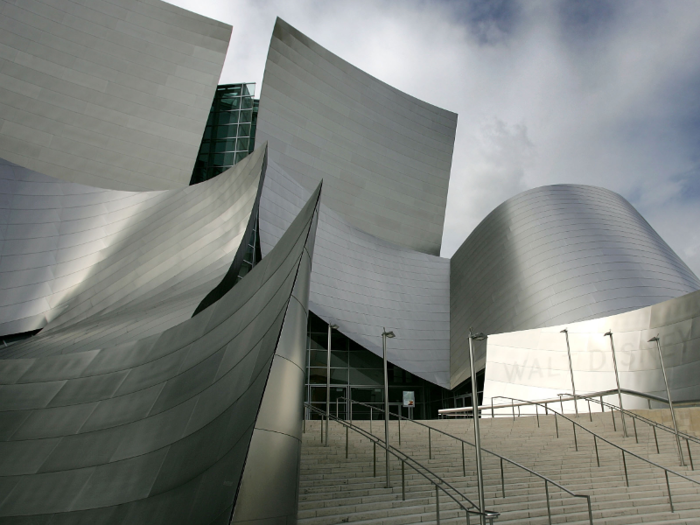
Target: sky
{"type": "Point", "coordinates": [605, 93]}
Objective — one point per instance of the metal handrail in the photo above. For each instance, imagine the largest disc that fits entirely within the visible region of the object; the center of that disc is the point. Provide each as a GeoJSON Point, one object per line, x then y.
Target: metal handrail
{"type": "Point", "coordinates": [676, 433]}
{"type": "Point", "coordinates": [440, 484]}
{"type": "Point", "coordinates": [561, 399]}
{"type": "Point", "coordinates": [501, 458]}
{"type": "Point", "coordinates": [596, 437]}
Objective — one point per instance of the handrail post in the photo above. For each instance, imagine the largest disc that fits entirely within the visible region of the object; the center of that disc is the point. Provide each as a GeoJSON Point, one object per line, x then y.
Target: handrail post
{"type": "Point", "coordinates": [590, 415]}
{"type": "Point", "coordinates": [602, 406]}
{"type": "Point", "coordinates": [575, 439]}
{"type": "Point", "coordinates": [322, 423]}
{"type": "Point", "coordinates": [492, 416]}
{"type": "Point", "coordinates": [556, 424]}
{"type": "Point", "coordinates": [656, 439]}
{"type": "Point", "coordinates": [595, 443]}
{"type": "Point", "coordinates": [512, 404]}
{"type": "Point", "coordinates": [464, 463]}
{"type": "Point", "coordinates": [399, 423]}
{"type": "Point", "coordinates": [668, 486]}
{"type": "Point", "coordinates": [503, 482]}
{"type": "Point", "coordinates": [549, 510]}
{"type": "Point", "coordinates": [374, 459]}
{"type": "Point", "coordinates": [337, 413]}
{"type": "Point", "coordinates": [403, 480]}
{"type": "Point", "coordinates": [347, 441]}
{"type": "Point", "coordinates": [561, 402]}
{"type": "Point", "coordinates": [612, 414]}
{"type": "Point", "coordinates": [537, 413]}
{"type": "Point", "coordinates": [590, 510]}
{"type": "Point", "coordinates": [634, 424]}
{"type": "Point", "coordinates": [371, 417]}
{"type": "Point", "coordinates": [437, 503]}
{"type": "Point", "coordinates": [624, 464]}
{"type": "Point", "coordinates": [430, 445]}
{"type": "Point", "coordinates": [690, 457]}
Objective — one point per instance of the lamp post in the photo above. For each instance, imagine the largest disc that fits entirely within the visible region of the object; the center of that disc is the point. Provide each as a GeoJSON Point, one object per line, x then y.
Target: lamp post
{"type": "Point", "coordinates": [565, 331]}
{"type": "Point", "coordinates": [386, 335]}
{"type": "Point", "coordinates": [668, 395]}
{"type": "Point", "coordinates": [477, 434]}
{"type": "Point", "coordinates": [328, 378]}
{"type": "Point", "coordinates": [617, 378]}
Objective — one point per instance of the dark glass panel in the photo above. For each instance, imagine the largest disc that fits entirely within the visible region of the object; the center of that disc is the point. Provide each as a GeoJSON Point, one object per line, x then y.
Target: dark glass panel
{"type": "Point", "coordinates": [244, 130]}
{"type": "Point", "coordinates": [242, 144]}
{"type": "Point", "coordinates": [365, 359]}
{"type": "Point", "coordinates": [339, 359]}
{"type": "Point", "coordinates": [366, 376]}
{"type": "Point", "coordinates": [317, 357]}
{"type": "Point", "coordinates": [246, 115]}
{"type": "Point", "coordinates": [240, 156]}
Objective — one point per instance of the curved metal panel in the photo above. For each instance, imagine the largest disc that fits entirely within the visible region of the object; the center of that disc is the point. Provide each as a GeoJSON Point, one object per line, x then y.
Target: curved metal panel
{"type": "Point", "coordinates": [384, 156]}
{"type": "Point", "coordinates": [533, 364]}
{"type": "Point", "coordinates": [557, 254]}
{"type": "Point", "coordinates": [363, 283]}
{"type": "Point", "coordinates": [113, 94]}
{"type": "Point", "coordinates": [109, 252]}
{"type": "Point", "coordinates": [155, 430]}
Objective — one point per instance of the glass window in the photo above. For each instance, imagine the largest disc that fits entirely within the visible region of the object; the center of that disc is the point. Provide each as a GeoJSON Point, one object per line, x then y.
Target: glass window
{"type": "Point", "coordinates": [224, 145]}
{"type": "Point", "coordinates": [244, 130]}
{"type": "Point", "coordinates": [228, 117]}
{"type": "Point", "coordinates": [242, 144]}
{"type": "Point", "coordinates": [246, 115]}
{"type": "Point", "coordinates": [240, 156]}
{"type": "Point", "coordinates": [247, 103]}
{"type": "Point", "coordinates": [229, 159]}
{"type": "Point", "coordinates": [317, 375]}
{"type": "Point", "coordinates": [317, 357]}
{"type": "Point", "coordinates": [207, 133]}
{"type": "Point", "coordinates": [365, 359]}
{"type": "Point", "coordinates": [317, 340]}
{"type": "Point", "coordinates": [366, 376]}
{"type": "Point", "coordinates": [339, 359]}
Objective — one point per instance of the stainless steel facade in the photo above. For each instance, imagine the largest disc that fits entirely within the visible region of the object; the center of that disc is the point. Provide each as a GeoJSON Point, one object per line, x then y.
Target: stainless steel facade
{"type": "Point", "coordinates": [131, 429]}
{"type": "Point", "coordinates": [362, 283]}
{"type": "Point", "coordinates": [384, 156]}
{"type": "Point", "coordinates": [70, 250]}
{"type": "Point", "coordinates": [557, 254]}
{"type": "Point", "coordinates": [111, 93]}
{"type": "Point", "coordinates": [533, 364]}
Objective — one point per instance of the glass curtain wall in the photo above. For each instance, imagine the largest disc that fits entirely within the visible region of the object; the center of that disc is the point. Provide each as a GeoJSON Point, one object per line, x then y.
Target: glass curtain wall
{"type": "Point", "coordinates": [359, 373]}
{"type": "Point", "coordinates": [230, 133]}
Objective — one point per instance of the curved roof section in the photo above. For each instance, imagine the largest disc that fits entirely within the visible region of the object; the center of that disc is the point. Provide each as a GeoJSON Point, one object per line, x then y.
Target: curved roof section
{"type": "Point", "coordinates": [70, 250]}
{"type": "Point", "coordinates": [155, 429]}
{"type": "Point", "coordinates": [558, 254]}
{"type": "Point", "coordinates": [383, 155]}
{"type": "Point", "coordinates": [363, 283]}
{"type": "Point", "coordinates": [113, 94]}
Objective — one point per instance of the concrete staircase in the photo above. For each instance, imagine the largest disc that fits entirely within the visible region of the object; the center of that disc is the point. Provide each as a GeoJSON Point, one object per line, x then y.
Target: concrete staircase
{"type": "Point", "coordinates": [338, 490]}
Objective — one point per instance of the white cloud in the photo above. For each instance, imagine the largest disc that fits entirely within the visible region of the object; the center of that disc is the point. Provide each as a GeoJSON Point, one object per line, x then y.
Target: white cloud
{"type": "Point", "coordinates": [602, 93]}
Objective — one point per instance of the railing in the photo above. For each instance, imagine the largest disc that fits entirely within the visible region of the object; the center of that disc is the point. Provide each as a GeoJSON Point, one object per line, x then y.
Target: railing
{"type": "Point", "coordinates": [637, 417]}
{"type": "Point", "coordinates": [546, 480]}
{"type": "Point", "coordinates": [562, 398]}
{"type": "Point", "coordinates": [439, 483]}
{"type": "Point", "coordinates": [519, 402]}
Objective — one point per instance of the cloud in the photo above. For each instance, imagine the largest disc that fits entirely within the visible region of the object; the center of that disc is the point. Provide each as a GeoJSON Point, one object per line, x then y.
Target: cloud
{"type": "Point", "coordinates": [602, 93]}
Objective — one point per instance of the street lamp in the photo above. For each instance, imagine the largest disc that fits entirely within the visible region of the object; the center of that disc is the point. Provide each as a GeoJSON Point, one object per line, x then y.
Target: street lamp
{"type": "Point", "coordinates": [386, 335]}
{"type": "Point", "coordinates": [328, 378]}
{"type": "Point", "coordinates": [668, 395]}
{"type": "Point", "coordinates": [617, 378]}
{"type": "Point", "coordinates": [565, 331]}
{"type": "Point", "coordinates": [477, 435]}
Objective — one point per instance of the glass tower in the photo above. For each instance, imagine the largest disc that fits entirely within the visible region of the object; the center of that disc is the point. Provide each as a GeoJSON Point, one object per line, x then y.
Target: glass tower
{"type": "Point", "coordinates": [230, 133]}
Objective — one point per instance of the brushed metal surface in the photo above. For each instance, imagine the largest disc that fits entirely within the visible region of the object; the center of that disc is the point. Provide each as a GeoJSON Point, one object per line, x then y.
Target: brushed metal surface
{"type": "Point", "coordinates": [553, 255]}
{"type": "Point", "coordinates": [533, 364]}
{"type": "Point", "coordinates": [384, 156]}
{"type": "Point", "coordinates": [106, 248]}
{"type": "Point", "coordinates": [113, 94]}
{"type": "Point", "coordinates": [169, 447]}
{"type": "Point", "coordinates": [362, 283]}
